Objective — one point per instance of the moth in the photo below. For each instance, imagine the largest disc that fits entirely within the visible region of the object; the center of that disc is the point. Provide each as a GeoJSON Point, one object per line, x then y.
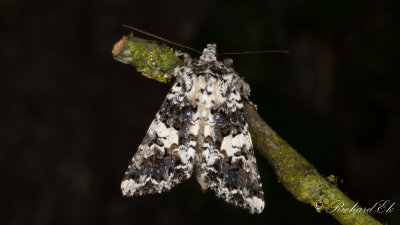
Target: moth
{"type": "Point", "coordinates": [200, 129]}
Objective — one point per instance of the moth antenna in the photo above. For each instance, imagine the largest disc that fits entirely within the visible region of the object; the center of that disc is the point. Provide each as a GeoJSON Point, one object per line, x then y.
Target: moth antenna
{"type": "Point", "coordinates": [255, 52]}
{"type": "Point", "coordinates": [160, 38]}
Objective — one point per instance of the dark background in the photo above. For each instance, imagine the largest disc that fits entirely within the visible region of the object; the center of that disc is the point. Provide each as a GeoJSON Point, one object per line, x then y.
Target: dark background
{"type": "Point", "coordinates": [71, 117]}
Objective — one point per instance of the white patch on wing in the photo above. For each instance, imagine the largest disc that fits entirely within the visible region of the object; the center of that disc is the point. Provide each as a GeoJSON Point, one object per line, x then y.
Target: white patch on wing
{"type": "Point", "coordinates": [129, 186]}
{"type": "Point", "coordinates": [208, 130]}
{"type": "Point", "coordinates": [239, 141]}
{"type": "Point", "coordinates": [256, 204]}
{"type": "Point", "coordinates": [210, 157]}
{"type": "Point", "coordinates": [170, 135]}
{"type": "Point", "coordinates": [186, 154]}
{"type": "Point", "coordinates": [226, 145]}
{"type": "Point", "coordinates": [194, 129]}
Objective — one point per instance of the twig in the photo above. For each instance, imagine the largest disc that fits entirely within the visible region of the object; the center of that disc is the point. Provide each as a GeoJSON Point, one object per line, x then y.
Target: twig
{"type": "Point", "coordinates": [299, 176]}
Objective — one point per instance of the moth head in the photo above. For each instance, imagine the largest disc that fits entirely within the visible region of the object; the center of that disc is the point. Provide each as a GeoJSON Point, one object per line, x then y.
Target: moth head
{"type": "Point", "coordinates": [210, 53]}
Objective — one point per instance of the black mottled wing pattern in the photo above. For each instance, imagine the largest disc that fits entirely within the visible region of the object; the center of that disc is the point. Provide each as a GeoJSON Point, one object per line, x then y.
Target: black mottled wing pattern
{"type": "Point", "coordinates": [200, 127]}
{"type": "Point", "coordinates": [229, 165]}
{"type": "Point", "coordinates": [165, 157]}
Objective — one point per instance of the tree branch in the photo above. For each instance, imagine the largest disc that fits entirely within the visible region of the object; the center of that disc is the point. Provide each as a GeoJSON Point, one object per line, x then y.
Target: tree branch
{"type": "Point", "coordinates": [297, 175]}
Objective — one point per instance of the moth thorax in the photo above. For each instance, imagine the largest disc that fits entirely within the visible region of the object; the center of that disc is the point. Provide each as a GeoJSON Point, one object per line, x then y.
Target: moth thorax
{"type": "Point", "coordinates": [209, 53]}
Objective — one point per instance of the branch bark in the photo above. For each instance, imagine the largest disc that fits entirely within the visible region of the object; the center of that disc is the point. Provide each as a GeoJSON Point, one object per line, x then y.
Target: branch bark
{"type": "Point", "coordinates": [297, 175]}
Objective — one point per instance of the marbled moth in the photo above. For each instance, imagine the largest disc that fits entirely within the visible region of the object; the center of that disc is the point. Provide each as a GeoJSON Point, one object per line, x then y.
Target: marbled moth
{"type": "Point", "coordinates": [200, 129]}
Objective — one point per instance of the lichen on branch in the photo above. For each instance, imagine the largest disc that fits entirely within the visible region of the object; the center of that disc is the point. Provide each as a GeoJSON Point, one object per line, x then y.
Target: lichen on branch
{"type": "Point", "coordinates": [151, 59]}
{"type": "Point", "coordinates": [299, 176]}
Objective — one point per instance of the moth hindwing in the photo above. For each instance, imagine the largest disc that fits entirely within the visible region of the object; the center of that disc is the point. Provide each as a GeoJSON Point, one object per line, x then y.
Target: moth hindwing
{"type": "Point", "coordinates": [201, 129]}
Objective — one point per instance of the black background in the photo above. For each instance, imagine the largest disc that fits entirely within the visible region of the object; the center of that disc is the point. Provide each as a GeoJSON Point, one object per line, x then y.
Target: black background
{"type": "Point", "coordinates": [71, 117]}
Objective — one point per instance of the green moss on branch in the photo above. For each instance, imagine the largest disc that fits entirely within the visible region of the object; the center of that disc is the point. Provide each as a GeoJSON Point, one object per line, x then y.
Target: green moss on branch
{"type": "Point", "coordinates": [153, 60]}
{"type": "Point", "coordinates": [299, 176]}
